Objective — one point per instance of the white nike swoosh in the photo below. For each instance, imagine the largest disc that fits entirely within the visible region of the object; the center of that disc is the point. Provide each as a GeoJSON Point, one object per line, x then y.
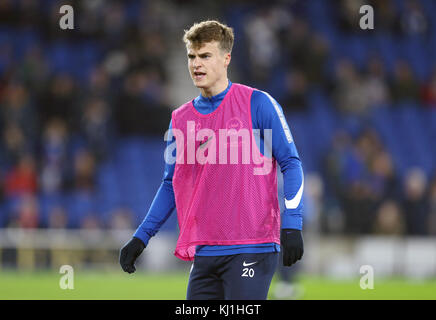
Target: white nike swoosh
{"type": "Point", "coordinates": [294, 202]}
{"type": "Point", "coordinates": [204, 143]}
{"type": "Point", "coordinates": [248, 264]}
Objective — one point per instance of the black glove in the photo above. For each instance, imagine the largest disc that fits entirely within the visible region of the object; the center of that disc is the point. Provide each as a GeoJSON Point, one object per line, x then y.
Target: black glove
{"type": "Point", "coordinates": [129, 253]}
{"type": "Point", "coordinates": [292, 246]}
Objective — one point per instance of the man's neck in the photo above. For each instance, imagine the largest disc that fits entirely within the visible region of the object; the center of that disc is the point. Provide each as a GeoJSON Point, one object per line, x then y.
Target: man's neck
{"type": "Point", "coordinates": [217, 89]}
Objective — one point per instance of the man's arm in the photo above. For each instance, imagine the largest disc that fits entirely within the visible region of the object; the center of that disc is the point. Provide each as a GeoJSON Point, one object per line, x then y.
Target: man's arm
{"type": "Point", "coordinates": [160, 210]}
{"type": "Point", "coordinates": [162, 206]}
{"type": "Point", "coordinates": [268, 114]}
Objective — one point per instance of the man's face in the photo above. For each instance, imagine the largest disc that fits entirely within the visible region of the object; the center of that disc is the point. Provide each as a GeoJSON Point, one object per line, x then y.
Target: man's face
{"type": "Point", "coordinates": [207, 65]}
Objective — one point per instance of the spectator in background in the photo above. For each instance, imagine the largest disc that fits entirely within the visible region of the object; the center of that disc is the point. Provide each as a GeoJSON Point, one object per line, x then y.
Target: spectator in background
{"type": "Point", "coordinates": [405, 86]}
{"type": "Point", "coordinates": [389, 219]}
{"type": "Point", "coordinates": [60, 100]}
{"type": "Point", "coordinates": [414, 21]}
{"type": "Point", "coordinates": [114, 23]}
{"type": "Point", "coordinates": [263, 44]}
{"type": "Point", "coordinates": [99, 83]}
{"type": "Point", "coordinates": [26, 215]}
{"type": "Point", "coordinates": [358, 198]}
{"type": "Point", "coordinates": [306, 51]}
{"type": "Point", "coordinates": [429, 91]}
{"type": "Point", "coordinates": [315, 60]}
{"type": "Point", "coordinates": [84, 171]}
{"type": "Point", "coordinates": [91, 221]}
{"type": "Point", "coordinates": [295, 99]}
{"type": "Point", "coordinates": [296, 41]}
{"type": "Point", "coordinates": [335, 161]}
{"type": "Point", "coordinates": [138, 108]}
{"type": "Point", "coordinates": [9, 13]}
{"type": "Point", "coordinates": [375, 82]}
{"type": "Point", "coordinates": [90, 18]}
{"type": "Point", "coordinates": [337, 173]}
{"type": "Point", "coordinates": [17, 108]}
{"type": "Point", "coordinates": [57, 218]}
{"type": "Point", "coordinates": [361, 175]}
{"type": "Point", "coordinates": [432, 208]}
{"type": "Point", "coordinates": [386, 16]}
{"type": "Point", "coordinates": [415, 202]}
{"type": "Point", "coordinates": [359, 207]}
{"type": "Point", "coordinates": [54, 157]}
{"type": "Point", "coordinates": [348, 15]}
{"type": "Point", "coordinates": [34, 69]}
{"type": "Point", "coordinates": [22, 178]}
{"type": "Point", "coordinates": [95, 125]}
{"type": "Point", "coordinates": [314, 202]}
{"type": "Point", "coordinates": [349, 93]}
{"type": "Point", "coordinates": [147, 50]}
{"type": "Point", "coordinates": [14, 144]}
{"type": "Point", "coordinates": [130, 107]}
{"type": "Point", "coordinates": [383, 177]}
{"type": "Point", "coordinates": [121, 219]}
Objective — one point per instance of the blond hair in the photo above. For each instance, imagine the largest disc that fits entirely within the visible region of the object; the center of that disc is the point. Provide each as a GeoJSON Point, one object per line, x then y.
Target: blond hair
{"type": "Point", "coordinates": [207, 31]}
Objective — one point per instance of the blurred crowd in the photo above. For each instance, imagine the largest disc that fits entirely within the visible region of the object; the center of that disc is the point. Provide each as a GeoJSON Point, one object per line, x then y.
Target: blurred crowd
{"type": "Point", "coordinates": [361, 192]}
{"type": "Point", "coordinates": [59, 121]}
{"type": "Point", "coordinates": [369, 197]}
{"type": "Point", "coordinates": [281, 39]}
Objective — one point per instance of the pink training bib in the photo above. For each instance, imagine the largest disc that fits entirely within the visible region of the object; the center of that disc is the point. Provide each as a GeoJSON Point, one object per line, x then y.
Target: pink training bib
{"type": "Point", "coordinates": [223, 196]}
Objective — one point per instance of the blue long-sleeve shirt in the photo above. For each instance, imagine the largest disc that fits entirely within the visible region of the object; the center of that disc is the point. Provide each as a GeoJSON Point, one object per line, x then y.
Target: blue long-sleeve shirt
{"type": "Point", "coordinates": [266, 113]}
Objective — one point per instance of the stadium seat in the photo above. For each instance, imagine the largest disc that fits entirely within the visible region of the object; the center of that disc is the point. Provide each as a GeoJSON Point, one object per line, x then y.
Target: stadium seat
{"type": "Point", "coordinates": [79, 204]}
{"type": "Point", "coordinates": [46, 203]}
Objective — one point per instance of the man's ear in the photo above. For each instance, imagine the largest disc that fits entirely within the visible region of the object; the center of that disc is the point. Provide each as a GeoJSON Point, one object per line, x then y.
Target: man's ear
{"type": "Point", "coordinates": [227, 59]}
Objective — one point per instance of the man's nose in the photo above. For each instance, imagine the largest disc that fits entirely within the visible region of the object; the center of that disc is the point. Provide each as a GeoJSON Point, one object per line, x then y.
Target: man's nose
{"type": "Point", "coordinates": [196, 63]}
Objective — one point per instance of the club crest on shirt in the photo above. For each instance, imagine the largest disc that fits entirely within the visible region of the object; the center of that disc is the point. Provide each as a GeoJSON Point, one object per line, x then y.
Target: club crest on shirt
{"type": "Point", "coordinates": [234, 123]}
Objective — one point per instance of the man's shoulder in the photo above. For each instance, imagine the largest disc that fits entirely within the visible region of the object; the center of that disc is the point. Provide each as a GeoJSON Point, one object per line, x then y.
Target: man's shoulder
{"type": "Point", "coordinates": [244, 87]}
{"type": "Point", "coordinates": [182, 108]}
{"type": "Point", "coordinates": [262, 99]}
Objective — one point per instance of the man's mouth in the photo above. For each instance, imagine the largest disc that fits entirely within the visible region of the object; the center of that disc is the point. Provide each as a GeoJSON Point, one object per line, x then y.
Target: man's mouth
{"type": "Point", "coordinates": [199, 75]}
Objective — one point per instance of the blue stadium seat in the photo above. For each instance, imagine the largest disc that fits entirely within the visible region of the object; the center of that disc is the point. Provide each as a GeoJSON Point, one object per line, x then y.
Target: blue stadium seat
{"type": "Point", "coordinates": [356, 48]}
{"type": "Point", "coordinates": [428, 5]}
{"type": "Point", "coordinates": [79, 205]}
{"type": "Point", "coordinates": [383, 121]}
{"type": "Point", "coordinates": [61, 58]}
{"type": "Point", "coordinates": [388, 49]}
{"type": "Point", "coordinates": [416, 51]}
{"type": "Point", "coordinates": [4, 216]}
{"type": "Point", "coordinates": [23, 41]}
{"type": "Point", "coordinates": [46, 204]}
{"type": "Point", "coordinates": [87, 55]}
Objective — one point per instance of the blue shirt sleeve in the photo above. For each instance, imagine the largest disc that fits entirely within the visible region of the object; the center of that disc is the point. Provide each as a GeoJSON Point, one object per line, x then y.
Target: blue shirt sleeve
{"type": "Point", "coordinates": [162, 206]}
{"type": "Point", "coordinates": [268, 114]}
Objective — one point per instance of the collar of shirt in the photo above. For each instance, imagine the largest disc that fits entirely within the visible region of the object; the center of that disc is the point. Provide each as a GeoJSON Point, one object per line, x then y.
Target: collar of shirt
{"type": "Point", "coordinates": [206, 105]}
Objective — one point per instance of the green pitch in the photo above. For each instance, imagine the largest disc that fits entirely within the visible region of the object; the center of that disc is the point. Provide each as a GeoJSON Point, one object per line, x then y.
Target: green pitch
{"type": "Point", "coordinates": [149, 286]}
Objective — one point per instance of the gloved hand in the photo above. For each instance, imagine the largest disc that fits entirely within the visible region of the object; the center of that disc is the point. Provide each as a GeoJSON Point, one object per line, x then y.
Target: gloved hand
{"type": "Point", "coordinates": [129, 253]}
{"type": "Point", "coordinates": [292, 246]}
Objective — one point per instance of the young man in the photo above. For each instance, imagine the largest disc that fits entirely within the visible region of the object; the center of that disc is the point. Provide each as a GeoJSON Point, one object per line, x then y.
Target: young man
{"type": "Point", "coordinates": [226, 193]}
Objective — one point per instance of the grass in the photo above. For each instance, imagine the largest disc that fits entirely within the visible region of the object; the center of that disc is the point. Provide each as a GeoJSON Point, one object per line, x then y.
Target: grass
{"type": "Point", "coordinates": [168, 286]}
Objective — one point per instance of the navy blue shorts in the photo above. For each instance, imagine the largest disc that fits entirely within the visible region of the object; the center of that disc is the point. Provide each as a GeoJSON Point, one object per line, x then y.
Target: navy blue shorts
{"type": "Point", "coordinates": [245, 276]}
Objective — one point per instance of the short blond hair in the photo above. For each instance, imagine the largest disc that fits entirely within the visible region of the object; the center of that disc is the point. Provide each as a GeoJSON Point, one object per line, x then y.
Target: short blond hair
{"type": "Point", "coordinates": [207, 31]}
